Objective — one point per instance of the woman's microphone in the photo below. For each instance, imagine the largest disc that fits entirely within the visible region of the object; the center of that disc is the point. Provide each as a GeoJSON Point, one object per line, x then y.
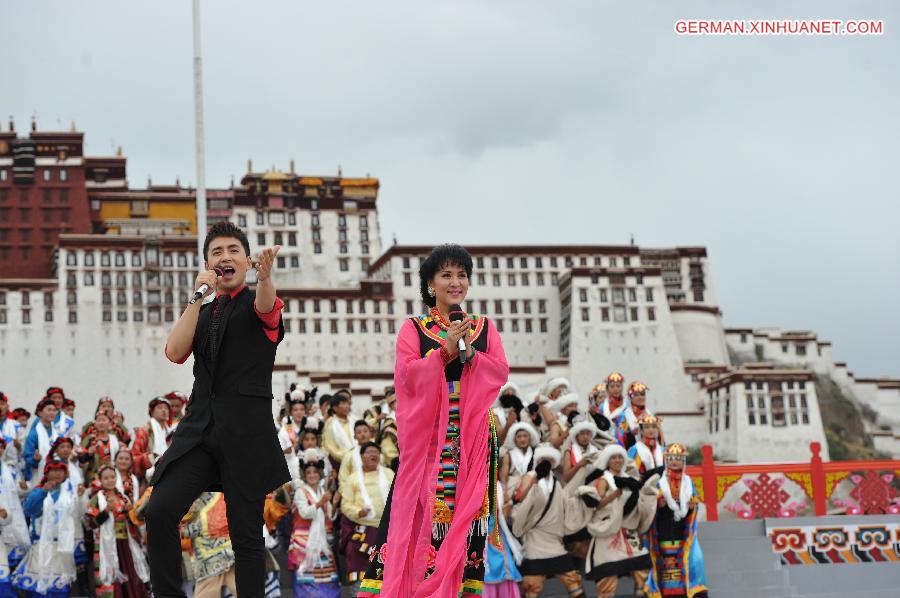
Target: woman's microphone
{"type": "Point", "coordinates": [457, 314]}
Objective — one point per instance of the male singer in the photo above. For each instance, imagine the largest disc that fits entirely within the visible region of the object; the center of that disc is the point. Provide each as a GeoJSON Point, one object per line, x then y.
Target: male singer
{"type": "Point", "coordinates": [227, 440]}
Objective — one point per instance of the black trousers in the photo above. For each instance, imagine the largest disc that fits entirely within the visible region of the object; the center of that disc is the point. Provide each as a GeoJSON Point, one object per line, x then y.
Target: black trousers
{"type": "Point", "coordinates": [183, 481]}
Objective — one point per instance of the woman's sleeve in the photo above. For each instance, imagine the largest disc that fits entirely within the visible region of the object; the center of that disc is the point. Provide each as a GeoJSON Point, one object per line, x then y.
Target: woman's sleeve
{"type": "Point", "coordinates": [417, 378]}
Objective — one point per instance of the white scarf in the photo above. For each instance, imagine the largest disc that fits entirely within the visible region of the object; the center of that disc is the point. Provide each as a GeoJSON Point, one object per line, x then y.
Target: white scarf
{"type": "Point", "coordinates": [580, 453]}
{"type": "Point", "coordinates": [120, 486]}
{"type": "Point", "coordinates": [611, 415]}
{"type": "Point", "coordinates": [519, 460]}
{"type": "Point", "coordinates": [610, 481]}
{"type": "Point", "coordinates": [159, 437]}
{"type": "Point", "coordinates": [9, 500]}
{"type": "Point", "coordinates": [317, 542]}
{"type": "Point", "coordinates": [680, 508]}
{"type": "Point", "coordinates": [364, 494]}
{"type": "Point", "coordinates": [340, 434]}
{"type": "Point", "coordinates": [514, 546]}
{"type": "Point", "coordinates": [75, 473]}
{"type": "Point", "coordinates": [109, 571]}
{"type": "Point", "coordinates": [546, 484]}
{"type": "Point", "coordinates": [45, 441]}
{"type": "Point", "coordinates": [650, 459]}
{"type": "Point", "coordinates": [388, 413]}
{"type": "Point", "coordinates": [500, 416]}
{"type": "Point", "coordinates": [65, 426]}
{"type": "Point", "coordinates": [57, 537]}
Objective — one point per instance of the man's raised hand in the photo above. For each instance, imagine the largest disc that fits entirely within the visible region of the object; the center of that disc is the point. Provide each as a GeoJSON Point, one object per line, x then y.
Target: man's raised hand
{"type": "Point", "coordinates": [265, 261]}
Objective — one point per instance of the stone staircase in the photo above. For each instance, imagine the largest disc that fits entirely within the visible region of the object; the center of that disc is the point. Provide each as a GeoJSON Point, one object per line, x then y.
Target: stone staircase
{"type": "Point", "coordinates": [740, 562]}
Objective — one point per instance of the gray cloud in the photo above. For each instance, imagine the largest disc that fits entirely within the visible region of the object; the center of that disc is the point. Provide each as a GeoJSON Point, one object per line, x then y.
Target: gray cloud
{"type": "Point", "coordinates": [564, 122]}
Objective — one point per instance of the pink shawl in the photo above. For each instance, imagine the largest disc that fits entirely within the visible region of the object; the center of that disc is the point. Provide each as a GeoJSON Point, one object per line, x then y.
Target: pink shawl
{"type": "Point", "coordinates": [422, 410]}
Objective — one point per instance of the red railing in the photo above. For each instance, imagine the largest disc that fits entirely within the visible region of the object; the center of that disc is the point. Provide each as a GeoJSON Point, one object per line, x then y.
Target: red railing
{"type": "Point", "coordinates": [873, 493]}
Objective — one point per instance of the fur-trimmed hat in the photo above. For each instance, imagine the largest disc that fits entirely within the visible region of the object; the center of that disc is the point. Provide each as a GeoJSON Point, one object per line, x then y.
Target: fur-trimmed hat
{"type": "Point", "coordinates": [555, 383]}
{"type": "Point", "coordinates": [312, 423]}
{"type": "Point", "coordinates": [510, 385]}
{"type": "Point", "coordinates": [608, 451]}
{"type": "Point", "coordinates": [564, 401]}
{"type": "Point", "coordinates": [546, 451]}
{"type": "Point", "coordinates": [583, 426]}
{"type": "Point", "coordinates": [518, 427]}
{"type": "Point", "coordinates": [312, 456]}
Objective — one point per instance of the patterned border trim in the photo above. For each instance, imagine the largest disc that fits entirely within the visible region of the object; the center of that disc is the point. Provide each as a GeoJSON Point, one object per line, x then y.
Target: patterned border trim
{"type": "Point", "coordinates": [832, 544]}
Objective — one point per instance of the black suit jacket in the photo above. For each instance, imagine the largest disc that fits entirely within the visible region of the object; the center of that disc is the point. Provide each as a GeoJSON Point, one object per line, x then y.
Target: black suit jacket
{"type": "Point", "coordinates": [234, 397]}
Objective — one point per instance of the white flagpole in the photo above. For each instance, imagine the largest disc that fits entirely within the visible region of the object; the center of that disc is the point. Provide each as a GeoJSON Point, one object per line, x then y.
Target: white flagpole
{"type": "Point", "coordinates": [200, 156]}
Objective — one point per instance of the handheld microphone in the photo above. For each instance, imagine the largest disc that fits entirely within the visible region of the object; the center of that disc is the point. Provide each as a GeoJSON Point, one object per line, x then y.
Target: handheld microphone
{"type": "Point", "coordinates": [204, 287]}
{"type": "Point", "coordinates": [457, 315]}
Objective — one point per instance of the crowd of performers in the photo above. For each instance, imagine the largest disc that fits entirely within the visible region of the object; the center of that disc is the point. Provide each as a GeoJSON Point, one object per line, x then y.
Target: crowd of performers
{"type": "Point", "coordinates": [586, 491]}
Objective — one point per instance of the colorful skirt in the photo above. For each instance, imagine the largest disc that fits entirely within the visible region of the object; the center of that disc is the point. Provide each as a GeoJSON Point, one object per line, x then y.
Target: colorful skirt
{"type": "Point", "coordinates": [322, 581]}
{"type": "Point", "coordinates": [446, 470]}
{"type": "Point", "coordinates": [57, 576]}
{"type": "Point", "coordinates": [132, 587]}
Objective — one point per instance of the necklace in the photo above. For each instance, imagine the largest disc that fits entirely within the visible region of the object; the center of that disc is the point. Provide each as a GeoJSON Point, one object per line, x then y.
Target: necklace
{"type": "Point", "coordinates": [437, 317]}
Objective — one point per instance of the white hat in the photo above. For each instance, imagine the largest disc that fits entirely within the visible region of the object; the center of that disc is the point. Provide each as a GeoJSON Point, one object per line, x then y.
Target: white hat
{"type": "Point", "coordinates": [312, 423]}
{"type": "Point", "coordinates": [581, 427]}
{"type": "Point", "coordinates": [555, 383]}
{"type": "Point", "coordinates": [510, 385]}
{"type": "Point", "coordinates": [518, 427]}
{"type": "Point", "coordinates": [312, 455]}
{"type": "Point", "coordinates": [545, 452]}
{"type": "Point", "coordinates": [608, 451]}
{"type": "Point", "coordinates": [298, 394]}
{"type": "Point", "coordinates": [564, 401]}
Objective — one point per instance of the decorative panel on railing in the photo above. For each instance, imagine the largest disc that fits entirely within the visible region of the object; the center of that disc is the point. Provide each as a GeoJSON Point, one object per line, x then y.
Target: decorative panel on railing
{"type": "Point", "coordinates": [767, 490]}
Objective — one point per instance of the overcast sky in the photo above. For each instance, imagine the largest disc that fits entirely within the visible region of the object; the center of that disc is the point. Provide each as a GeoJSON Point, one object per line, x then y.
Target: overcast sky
{"type": "Point", "coordinates": [524, 122]}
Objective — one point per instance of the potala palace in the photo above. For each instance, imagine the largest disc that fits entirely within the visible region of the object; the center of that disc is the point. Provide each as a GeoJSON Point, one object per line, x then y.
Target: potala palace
{"type": "Point", "coordinates": [93, 272]}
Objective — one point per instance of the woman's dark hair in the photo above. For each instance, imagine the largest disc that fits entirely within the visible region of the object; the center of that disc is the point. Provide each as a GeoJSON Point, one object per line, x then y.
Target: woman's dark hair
{"type": "Point", "coordinates": [448, 254]}
{"type": "Point", "coordinates": [225, 229]}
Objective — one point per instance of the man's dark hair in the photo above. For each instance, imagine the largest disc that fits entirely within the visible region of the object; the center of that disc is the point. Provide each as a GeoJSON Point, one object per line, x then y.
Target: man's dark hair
{"type": "Point", "coordinates": [324, 399]}
{"type": "Point", "coordinates": [360, 422]}
{"type": "Point", "coordinates": [362, 449]}
{"type": "Point", "coordinates": [338, 399]}
{"type": "Point", "coordinates": [448, 254]}
{"type": "Point", "coordinates": [225, 229]}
